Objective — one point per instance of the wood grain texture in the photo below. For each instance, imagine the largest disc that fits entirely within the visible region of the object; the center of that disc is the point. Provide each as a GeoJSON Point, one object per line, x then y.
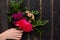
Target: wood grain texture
{"type": "Point", "coordinates": [52, 19]}
{"type": "Point", "coordinates": [56, 19]}
{"type": "Point", "coordinates": [3, 15]}
{"type": "Point", "coordinates": [47, 15]}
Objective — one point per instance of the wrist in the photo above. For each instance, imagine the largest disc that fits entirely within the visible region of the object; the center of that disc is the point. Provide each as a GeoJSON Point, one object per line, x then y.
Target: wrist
{"type": "Point", "coordinates": [2, 37]}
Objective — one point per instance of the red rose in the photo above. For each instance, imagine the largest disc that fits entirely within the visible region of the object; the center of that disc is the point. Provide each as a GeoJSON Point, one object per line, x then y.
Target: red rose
{"type": "Point", "coordinates": [24, 25]}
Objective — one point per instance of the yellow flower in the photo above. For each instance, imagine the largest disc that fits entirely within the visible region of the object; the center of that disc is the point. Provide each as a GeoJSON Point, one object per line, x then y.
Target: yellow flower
{"type": "Point", "coordinates": [32, 16]}
{"type": "Point", "coordinates": [29, 14]}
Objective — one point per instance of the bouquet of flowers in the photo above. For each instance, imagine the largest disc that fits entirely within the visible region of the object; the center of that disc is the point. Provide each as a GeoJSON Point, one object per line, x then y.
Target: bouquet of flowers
{"type": "Point", "coordinates": [22, 18]}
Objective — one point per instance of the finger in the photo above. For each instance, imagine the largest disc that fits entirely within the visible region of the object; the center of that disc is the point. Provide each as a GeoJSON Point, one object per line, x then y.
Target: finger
{"type": "Point", "coordinates": [19, 31]}
{"type": "Point", "coordinates": [18, 38]}
{"type": "Point", "coordinates": [19, 34]}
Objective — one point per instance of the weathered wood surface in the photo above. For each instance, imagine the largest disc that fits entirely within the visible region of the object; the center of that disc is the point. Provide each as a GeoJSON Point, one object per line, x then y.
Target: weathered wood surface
{"type": "Point", "coordinates": [57, 20]}
{"type": "Point", "coordinates": [3, 15]}
{"type": "Point", "coordinates": [50, 11]}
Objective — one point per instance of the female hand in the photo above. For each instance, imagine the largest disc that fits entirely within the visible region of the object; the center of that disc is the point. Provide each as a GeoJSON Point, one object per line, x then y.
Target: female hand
{"type": "Point", "coordinates": [12, 34]}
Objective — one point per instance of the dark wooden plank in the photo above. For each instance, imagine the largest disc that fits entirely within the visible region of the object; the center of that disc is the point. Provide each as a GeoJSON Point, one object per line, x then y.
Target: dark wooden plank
{"type": "Point", "coordinates": [56, 19]}
{"type": "Point", "coordinates": [35, 4]}
{"type": "Point", "coordinates": [46, 7]}
{"type": "Point", "coordinates": [3, 12]}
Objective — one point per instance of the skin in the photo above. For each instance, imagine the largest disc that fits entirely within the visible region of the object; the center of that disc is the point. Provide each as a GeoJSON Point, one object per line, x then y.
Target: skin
{"type": "Point", "coordinates": [11, 34]}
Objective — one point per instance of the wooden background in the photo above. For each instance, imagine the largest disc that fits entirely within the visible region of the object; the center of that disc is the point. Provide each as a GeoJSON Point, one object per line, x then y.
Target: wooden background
{"type": "Point", "coordinates": [50, 10]}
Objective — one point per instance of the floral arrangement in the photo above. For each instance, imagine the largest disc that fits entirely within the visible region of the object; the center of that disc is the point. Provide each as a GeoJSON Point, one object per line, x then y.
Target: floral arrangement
{"type": "Point", "coordinates": [23, 18]}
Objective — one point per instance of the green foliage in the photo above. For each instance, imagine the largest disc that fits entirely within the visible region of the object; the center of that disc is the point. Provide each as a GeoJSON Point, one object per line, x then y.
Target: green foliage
{"type": "Point", "coordinates": [39, 22]}
{"type": "Point", "coordinates": [16, 7]}
{"type": "Point", "coordinates": [39, 30]}
{"type": "Point", "coordinates": [13, 4]}
{"type": "Point", "coordinates": [35, 12]}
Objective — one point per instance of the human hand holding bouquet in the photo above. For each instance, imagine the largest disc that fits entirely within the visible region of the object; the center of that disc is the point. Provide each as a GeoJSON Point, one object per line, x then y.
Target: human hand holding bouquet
{"type": "Point", "coordinates": [12, 33]}
{"type": "Point", "coordinates": [24, 19]}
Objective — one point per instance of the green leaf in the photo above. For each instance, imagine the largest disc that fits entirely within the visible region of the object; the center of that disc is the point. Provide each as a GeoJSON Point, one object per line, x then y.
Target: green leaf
{"type": "Point", "coordinates": [38, 30]}
{"type": "Point", "coordinates": [35, 12]}
{"type": "Point", "coordinates": [41, 22]}
{"type": "Point", "coordinates": [44, 22]}
{"type": "Point", "coordinates": [20, 2]}
{"type": "Point", "coordinates": [10, 19]}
